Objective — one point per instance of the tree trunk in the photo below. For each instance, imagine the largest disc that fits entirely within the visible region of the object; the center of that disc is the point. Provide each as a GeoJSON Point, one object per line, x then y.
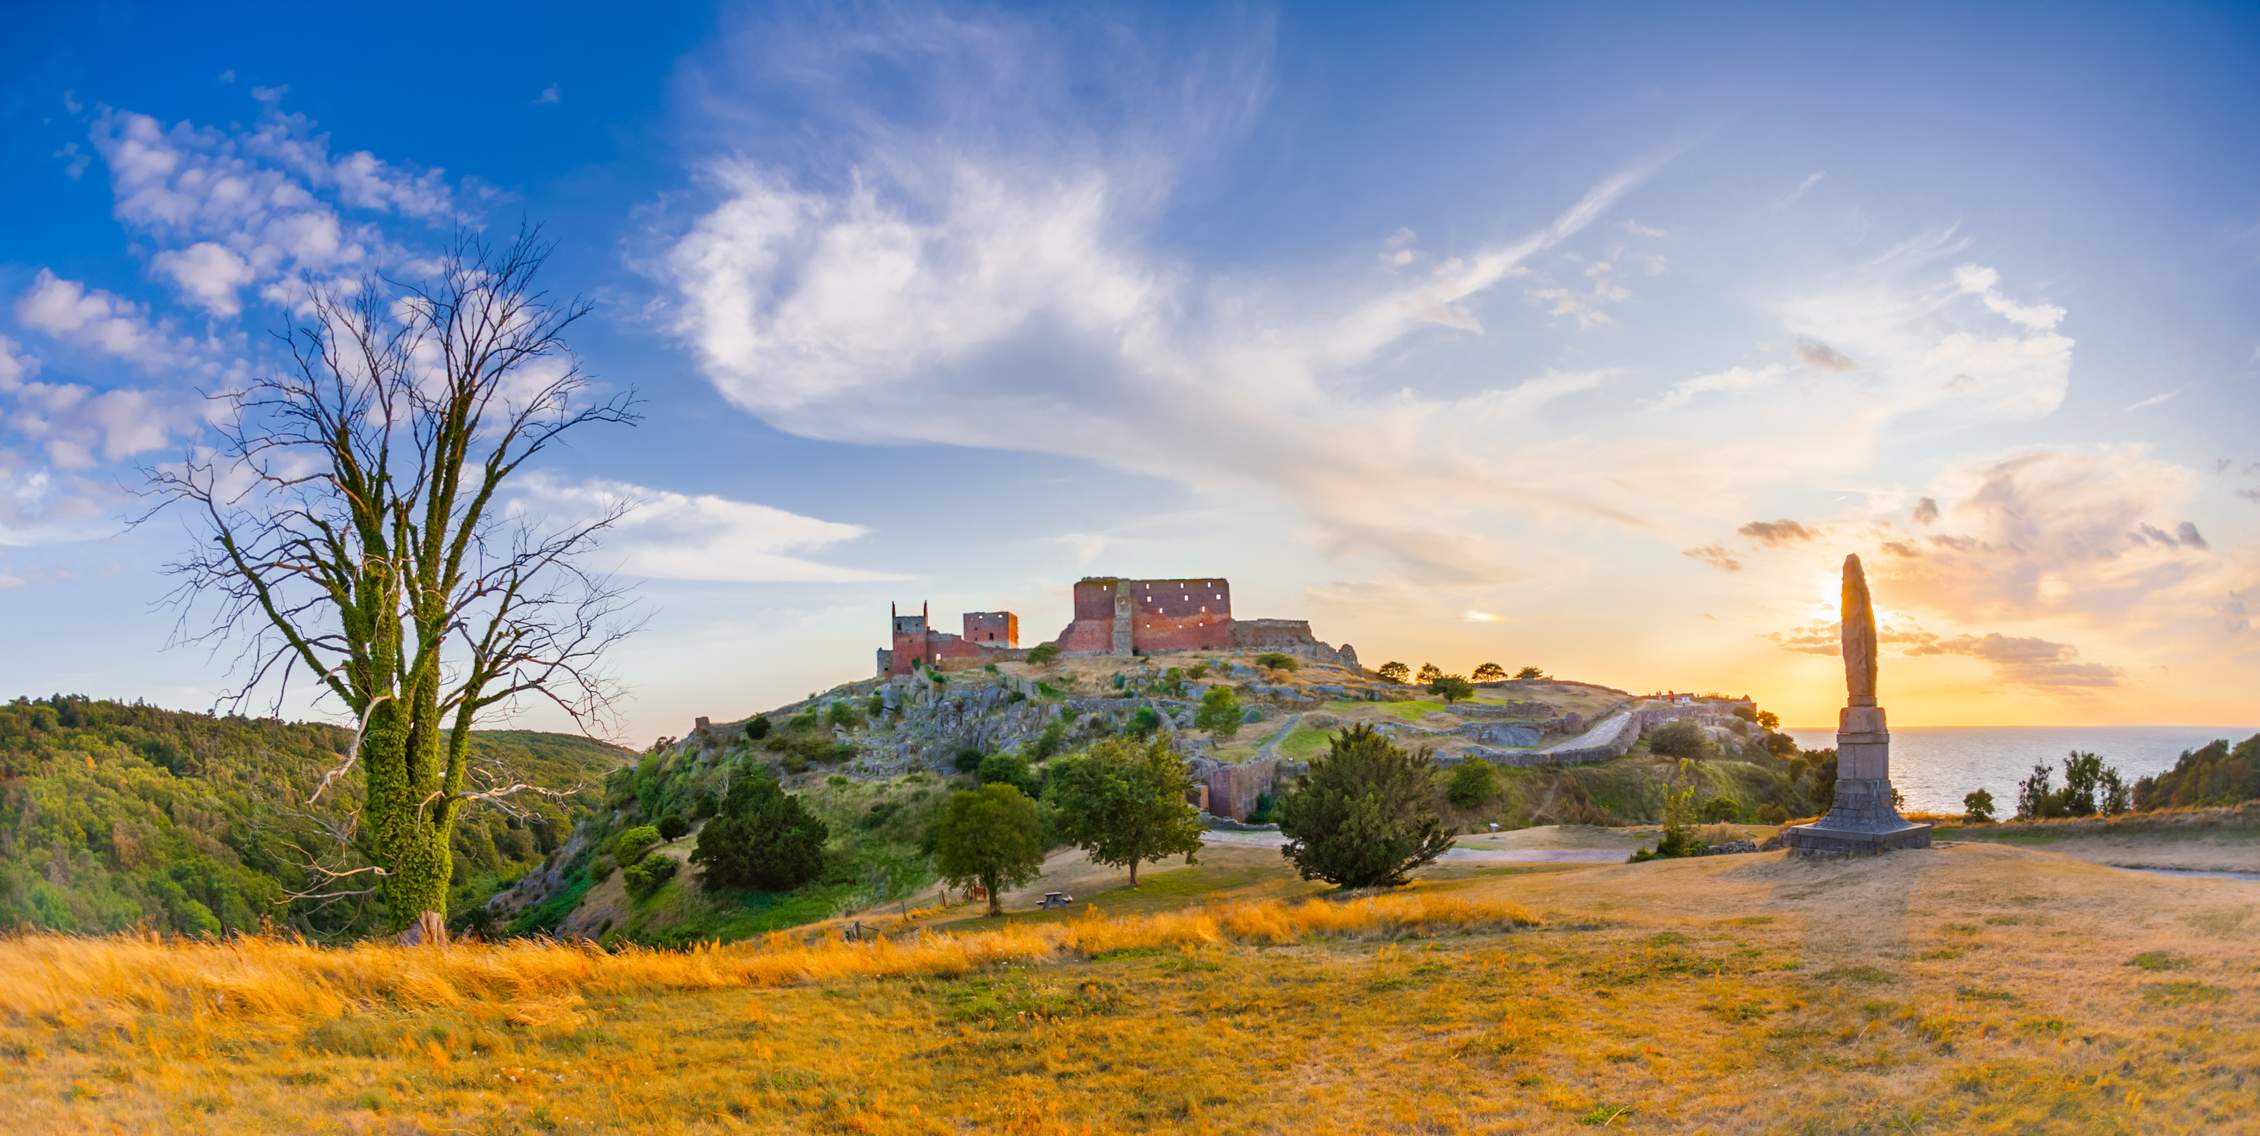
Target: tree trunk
{"type": "Point", "coordinates": [996, 896]}
{"type": "Point", "coordinates": [429, 929]}
{"type": "Point", "coordinates": [1133, 871]}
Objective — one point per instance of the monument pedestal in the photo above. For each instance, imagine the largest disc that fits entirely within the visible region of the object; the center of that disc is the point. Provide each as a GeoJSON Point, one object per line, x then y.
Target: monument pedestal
{"type": "Point", "coordinates": [1863, 821]}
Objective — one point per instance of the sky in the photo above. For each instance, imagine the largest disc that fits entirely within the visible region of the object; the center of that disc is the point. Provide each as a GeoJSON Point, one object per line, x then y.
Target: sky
{"type": "Point", "coordinates": [1585, 336]}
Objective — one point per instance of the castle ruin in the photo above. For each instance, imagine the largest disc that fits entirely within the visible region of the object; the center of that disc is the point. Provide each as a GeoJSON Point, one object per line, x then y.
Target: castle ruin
{"type": "Point", "coordinates": [1113, 616]}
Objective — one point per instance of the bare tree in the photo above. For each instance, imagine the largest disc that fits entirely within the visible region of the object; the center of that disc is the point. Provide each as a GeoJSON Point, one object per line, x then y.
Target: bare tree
{"type": "Point", "coordinates": [355, 538]}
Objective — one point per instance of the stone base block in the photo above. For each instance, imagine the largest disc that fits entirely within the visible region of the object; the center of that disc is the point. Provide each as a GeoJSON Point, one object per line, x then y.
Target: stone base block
{"type": "Point", "coordinates": [1818, 839]}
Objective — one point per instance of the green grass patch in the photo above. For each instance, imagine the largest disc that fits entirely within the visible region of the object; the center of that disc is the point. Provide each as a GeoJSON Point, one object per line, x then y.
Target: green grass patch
{"type": "Point", "coordinates": [2158, 960]}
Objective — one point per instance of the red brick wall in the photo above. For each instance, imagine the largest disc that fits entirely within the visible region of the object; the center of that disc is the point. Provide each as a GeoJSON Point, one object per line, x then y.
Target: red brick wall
{"type": "Point", "coordinates": [1093, 628]}
{"type": "Point", "coordinates": [1181, 615]}
{"type": "Point", "coordinates": [1000, 627]}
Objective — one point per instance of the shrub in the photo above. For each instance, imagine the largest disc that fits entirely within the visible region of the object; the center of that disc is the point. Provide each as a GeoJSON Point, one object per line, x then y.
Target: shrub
{"type": "Point", "coordinates": [648, 875]}
{"type": "Point", "coordinates": [1277, 660]}
{"type": "Point", "coordinates": [845, 714]}
{"type": "Point", "coordinates": [763, 838]}
{"type": "Point", "coordinates": [1489, 672]}
{"type": "Point", "coordinates": [1044, 654]}
{"type": "Point", "coordinates": [757, 727]}
{"type": "Point", "coordinates": [877, 703]}
{"type": "Point", "coordinates": [1266, 810]}
{"type": "Point", "coordinates": [1219, 713]}
{"type": "Point", "coordinates": [1721, 809]}
{"type": "Point", "coordinates": [672, 827]}
{"type": "Point", "coordinates": [1051, 741]}
{"type": "Point", "coordinates": [1197, 672]}
{"type": "Point", "coordinates": [601, 868]}
{"type": "Point", "coordinates": [1007, 769]}
{"type": "Point", "coordinates": [633, 843]}
{"type": "Point", "coordinates": [992, 836]}
{"type": "Point", "coordinates": [1142, 723]}
{"type": "Point", "coordinates": [1977, 807]}
{"type": "Point", "coordinates": [1529, 674]}
{"type": "Point", "coordinates": [1772, 813]}
{"type": "Point", "coordinates": [968, 759]}
{"type": "Point", "coordinates": [1679, 809]}
{"type": "Point", "coordinates": [1472, 784]}
{"type": "Point", "coordinates": [1451, 688]}
{"type": "Point", "coordinates": [1362, 816]}
{"type": "Point", "coordinates": [1680, 738]}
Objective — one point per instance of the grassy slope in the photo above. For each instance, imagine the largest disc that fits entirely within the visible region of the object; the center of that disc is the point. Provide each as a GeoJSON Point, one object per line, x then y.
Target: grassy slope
{"type": "Point", "coordinates": [115, 816]}
{"type": "Point", "coordinates": [1974, 988]}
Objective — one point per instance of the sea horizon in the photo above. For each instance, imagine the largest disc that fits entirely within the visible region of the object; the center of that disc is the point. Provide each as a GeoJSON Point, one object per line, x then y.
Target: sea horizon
{"type": "Point", "coordinates": [1935, 766]}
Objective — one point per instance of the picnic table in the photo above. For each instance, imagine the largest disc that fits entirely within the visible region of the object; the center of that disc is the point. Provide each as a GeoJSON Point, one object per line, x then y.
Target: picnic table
{"type": "Point", "coordinates": [1054, 899]}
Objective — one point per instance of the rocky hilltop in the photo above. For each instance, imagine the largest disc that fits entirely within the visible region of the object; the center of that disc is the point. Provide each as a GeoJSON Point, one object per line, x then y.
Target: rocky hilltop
{"type": "Point", "coordinates": [888, 746]}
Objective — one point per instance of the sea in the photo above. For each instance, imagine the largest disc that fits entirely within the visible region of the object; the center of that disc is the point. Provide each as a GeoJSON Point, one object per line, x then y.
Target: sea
{"type": "Point", "coordinates": [1934, 767]}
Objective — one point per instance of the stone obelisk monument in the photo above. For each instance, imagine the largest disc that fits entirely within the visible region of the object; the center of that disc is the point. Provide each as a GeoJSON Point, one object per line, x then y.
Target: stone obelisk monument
{"type": "Point", "coordinates": [1863, 820]}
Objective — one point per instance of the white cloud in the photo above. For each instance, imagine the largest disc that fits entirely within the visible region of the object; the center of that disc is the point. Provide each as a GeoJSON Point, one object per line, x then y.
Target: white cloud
{"type": "Point", "coordinates": [939, 287]}
{"type": "Point", "coordinates": [1804, 187]}
{"type": "Point", "coordinates": [16, 365]}
{"type": "Point", "coordinates": [549, 96]}
{"type": "Point", "coordinates": [678, 536]}
{"type": "Point", "coordinates": [2154, 400]}
{"type": "Point", "coordinates": [68, 310]}
{"type": "Point", "coordinates": [209, 275]}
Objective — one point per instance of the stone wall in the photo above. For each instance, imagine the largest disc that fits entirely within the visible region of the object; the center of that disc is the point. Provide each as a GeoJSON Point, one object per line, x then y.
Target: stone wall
{"type": "Point", "coordinates": [1121, 617]}
{"type": "Point", "coordinates": [999, 627]}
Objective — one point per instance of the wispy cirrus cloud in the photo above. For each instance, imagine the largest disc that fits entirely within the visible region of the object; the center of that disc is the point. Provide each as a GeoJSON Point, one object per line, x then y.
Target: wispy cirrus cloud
{"type": "Point", "coordinates": [670, 535]}
{"type": "Point", "coordinates": [994, 280]}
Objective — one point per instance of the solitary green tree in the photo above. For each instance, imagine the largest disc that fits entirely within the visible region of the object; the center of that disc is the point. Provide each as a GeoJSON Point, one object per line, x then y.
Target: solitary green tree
{"type": "Point", "coordinates": [1125, 803]}
{"type": "Point", "coordinates": [1044, 654]}
{"type": "Point", "coordinates": [1429, 672]}
{"type": "Point", "coordinates": [1490, 671]}
{"type": "Point", "coordinates": [1220, 712]}
{"type": "Point", "coordinates": [355, 535]}
{"type": "Point", "coordinates": [1451, 688]}
{"type": "Point", "coordinates": [1394, 671]}
{"type": "Point", "coordinates": [1977, 807]}
{"type": "Point", "coordinates": [991, 836]}
{"type": "Point", "coordinates": [1528, 674]}
{"type": "Point", "coordinates": [1364, 816]}
{"type": "Point", "coordinates": [763, 838]}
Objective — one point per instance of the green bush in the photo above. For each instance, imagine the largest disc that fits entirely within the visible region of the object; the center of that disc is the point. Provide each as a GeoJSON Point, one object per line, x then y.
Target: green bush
{"type": "Point", "coordinates": [1220, 712]}
{"type": "Point", "coordinates": [1142, 723]}
{"type": "Point", "coordinates": [1451, 688]}
{"type": "Point", "coordinates": [1277, 660]}
{"type": "Point", "coordinates": [632, 844]}
{"type": "Point", "coordinates": [1051, 741]}
{"type": "Point", "coordinates": [1721, 809]}
{"type": "Point", "coordinates": [1266, 810]}
{"type": "Point", "coordinates": [1364, 815]}
{"type": "Point", "coordinates": [1680, 738]}
{"type": "Point", "coordinates": [1044, 654]}
{"type": "Point", "coordinates": [763, 838]}
{"type": "Point", "coordinates": [1473, 783]}
{"type": "Point", "coordinates": [1977, 807]}
{"type": "Point", "coordinates": [672, 827]}
{"type": "Point", "coordinates": [1772, 813]}
{"type": "Point", "coordinates": [757, 727]}
{"type": "Point", "coordinates": [1007, 769]}
{"type": "Point", "coordinates": [648, 875]}
{"type": "Point", "coordinates": [968, 759]}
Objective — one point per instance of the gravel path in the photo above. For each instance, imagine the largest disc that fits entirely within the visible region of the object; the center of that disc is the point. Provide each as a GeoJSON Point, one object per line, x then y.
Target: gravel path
{"type": "Point", "coordinates": [1270, 747]}
{"type": "Point", "coordinates": [1455, 856]}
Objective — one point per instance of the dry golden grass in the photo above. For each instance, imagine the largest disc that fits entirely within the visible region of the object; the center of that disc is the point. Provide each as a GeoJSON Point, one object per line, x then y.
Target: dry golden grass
{"type": "Point", "coordinates": [1972, 988]}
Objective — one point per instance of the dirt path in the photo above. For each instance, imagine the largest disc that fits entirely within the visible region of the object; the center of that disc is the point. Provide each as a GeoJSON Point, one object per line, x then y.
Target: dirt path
{"type": "Point", "coordinates": [1270, 747]}
{"type": "Point", "coordinates": [1549, 845]}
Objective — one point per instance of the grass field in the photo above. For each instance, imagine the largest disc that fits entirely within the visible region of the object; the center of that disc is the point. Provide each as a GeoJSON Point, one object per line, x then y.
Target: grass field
{"type": "Point", "coordinates": [1973, 988]}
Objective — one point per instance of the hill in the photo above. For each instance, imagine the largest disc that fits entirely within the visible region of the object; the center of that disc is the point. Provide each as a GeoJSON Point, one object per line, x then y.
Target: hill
{"type": "Point", "coordinates": [116, 816]}
{"type": "Point", "coordinates": [875, 758]}
{"type": "Point", "coordinates": [1966, 988]}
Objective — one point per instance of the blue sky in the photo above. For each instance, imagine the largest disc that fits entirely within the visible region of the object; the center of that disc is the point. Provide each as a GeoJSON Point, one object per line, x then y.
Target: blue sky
{"type": "Point", "coordinates": [1584, 335]}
